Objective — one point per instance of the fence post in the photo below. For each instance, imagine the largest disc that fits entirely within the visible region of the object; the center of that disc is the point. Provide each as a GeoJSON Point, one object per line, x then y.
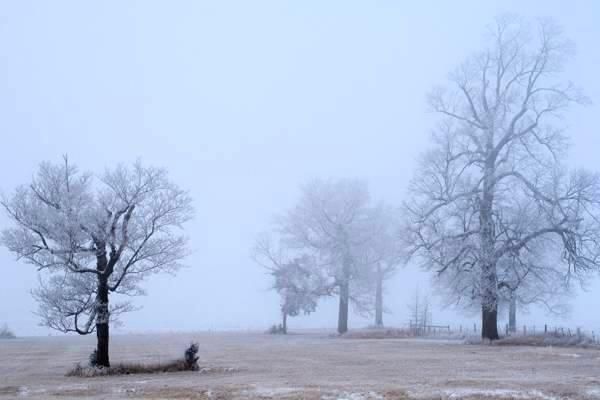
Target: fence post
{"type": "Point", "coordinates": [475, 328]}
{"type": "Point", "coordinates": [545, 329]}
{"type": "Point", "coordinates": [524, 330]}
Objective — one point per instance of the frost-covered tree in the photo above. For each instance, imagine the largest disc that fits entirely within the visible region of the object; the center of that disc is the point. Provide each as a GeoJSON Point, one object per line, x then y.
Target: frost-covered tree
{"type": "Point", "coordinates": [420, 313]}
{"type": "Point", "coordinates": [494, 186]}
{"type": "Point", "coordinates": [94, 236]}
{"type": "Point", "coordinates": [6, 333]}
{"type": "Point", "coordinates": [332, 223]}
{"type": "Point", "coordinates": [297, 279]}
{"type": "Point", "coordinates": [533, 279]}
{"type": "Point", "coordinates": [384, 253]}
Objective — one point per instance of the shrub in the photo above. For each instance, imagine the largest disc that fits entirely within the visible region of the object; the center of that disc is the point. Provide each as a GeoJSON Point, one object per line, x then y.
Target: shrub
{"type": "Point", "coordinates": [94, 358]}
{"type": "Point", "coordinates": [190, 358]}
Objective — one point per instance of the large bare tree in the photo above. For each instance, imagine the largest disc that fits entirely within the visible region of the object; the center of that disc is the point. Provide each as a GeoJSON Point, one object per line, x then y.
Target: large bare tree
{"type": "Point", "coordinates": [494, 186]}
{"type": "Point", "coordinates": [95, 236]}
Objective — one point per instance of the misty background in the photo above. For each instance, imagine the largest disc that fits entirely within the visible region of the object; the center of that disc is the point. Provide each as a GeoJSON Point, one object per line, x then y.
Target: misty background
{"type": "Point", "coordinates": [243, 102]}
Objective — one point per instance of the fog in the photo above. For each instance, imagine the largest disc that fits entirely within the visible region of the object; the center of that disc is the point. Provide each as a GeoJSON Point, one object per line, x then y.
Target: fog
{"type": "Point", "coordinates": [243, 102]}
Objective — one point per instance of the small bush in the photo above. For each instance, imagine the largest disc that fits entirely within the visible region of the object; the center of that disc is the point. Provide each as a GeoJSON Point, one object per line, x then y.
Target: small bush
{"type": "Point", "coordinates": [6, 333]}
{"type": "Point", "coordinates": [94, 358]}
{"type": "Point", "coordinates": [190, 358]}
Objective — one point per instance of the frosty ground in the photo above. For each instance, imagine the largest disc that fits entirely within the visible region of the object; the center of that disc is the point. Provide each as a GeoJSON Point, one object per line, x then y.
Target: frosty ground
{"type": "Point", "coordinates": [315, 365]}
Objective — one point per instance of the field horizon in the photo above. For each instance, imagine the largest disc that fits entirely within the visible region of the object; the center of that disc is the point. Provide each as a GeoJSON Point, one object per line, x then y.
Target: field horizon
{"type": "Point", "coordinates": [307, 365]}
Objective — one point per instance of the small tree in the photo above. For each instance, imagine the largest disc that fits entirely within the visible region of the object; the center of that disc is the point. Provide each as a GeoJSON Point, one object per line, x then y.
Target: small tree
{"type": "Point", "coordinates": [95, 236]}
{"type": "Point", "coordinates": [420, 313]}
{"type": "Point", "coordinates": [534, 278]}
{"type": "Point", "coordinates": [296, 279]}
{"type": "Point", "coordinates": [384, 253]}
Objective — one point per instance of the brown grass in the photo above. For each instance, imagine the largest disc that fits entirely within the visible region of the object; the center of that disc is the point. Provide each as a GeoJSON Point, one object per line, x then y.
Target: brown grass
{"type": "Point", "coordinates": [548, 340]}
{"type": "Point", "coordinates": [379, 333]}
{"type": "Point", "coordinates": [138, 368]}
{"type": "Point", "coordinates": [126, 369]}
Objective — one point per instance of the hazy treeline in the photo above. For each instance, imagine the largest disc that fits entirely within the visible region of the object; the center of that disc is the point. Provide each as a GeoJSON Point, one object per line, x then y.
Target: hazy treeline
{"type": "Point", "coordinates": [492, 211]}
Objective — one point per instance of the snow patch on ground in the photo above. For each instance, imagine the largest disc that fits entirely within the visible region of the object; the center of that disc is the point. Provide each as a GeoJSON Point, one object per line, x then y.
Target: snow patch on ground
{"type": "Point", "coordinates": [24, 391]}
{"type": "Point", "coordinates": [573, 355]}
{"type": "Point", "coordinates": [595, 393]}
{"type": "Point", "coordinates": [353, 396]}
{"type": "Point", "coordinates": [498, 393]}
{"type": "Point", "coordinates": [274, 393]}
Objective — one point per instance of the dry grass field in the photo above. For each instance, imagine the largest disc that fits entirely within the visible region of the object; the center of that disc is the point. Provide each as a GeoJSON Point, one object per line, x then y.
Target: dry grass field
{"type": "Point", "coordinates": [302, 366]}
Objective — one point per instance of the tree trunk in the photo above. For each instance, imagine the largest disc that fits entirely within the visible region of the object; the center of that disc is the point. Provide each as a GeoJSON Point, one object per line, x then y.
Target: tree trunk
{"type": "Point", "coordinates": [284, 325]}
{"type": "Point", "coordinates": [489, 323]}
{"type": "Point", "coordinates": [379, 299]}
{"type": "Point", "coordinates": [489, 278]}
{"type": "Point", "coordinates": [512, 313]}
{"type": "Point", "coordinates": [343, 311]}
{"type": "Point", "coordinates": [102, 318]}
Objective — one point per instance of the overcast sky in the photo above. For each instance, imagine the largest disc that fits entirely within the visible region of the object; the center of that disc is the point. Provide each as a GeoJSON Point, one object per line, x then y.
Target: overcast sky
{"type": "Point", "coordinates": [242, 102]}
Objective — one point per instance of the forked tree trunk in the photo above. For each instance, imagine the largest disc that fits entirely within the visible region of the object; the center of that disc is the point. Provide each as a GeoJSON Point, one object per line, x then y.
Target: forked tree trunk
{"type": "Point", "coordinates": [343, 310]}
{"type": "Point", "coordinates": [512, 313]}
{"type": "Point", "coordinates": [102, 319]}
{"type": "Point", "coordinates": [379, 299]}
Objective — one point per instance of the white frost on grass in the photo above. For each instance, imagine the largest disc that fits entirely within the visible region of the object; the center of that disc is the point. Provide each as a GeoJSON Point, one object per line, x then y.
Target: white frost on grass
{"type": "Point", "coordinates": [271, 392]}
{"type": "Point", "coordinates": [498, 393]}
{"type": "Point", "coordinates": [595, 393]}
{"type": "Point", "coordinates": [353, 396]}
{"type": "Point", "coordinates": [275, 393]}
{"type": "Point", "coordinates": [573, 355]}
{"type": "Point", "coordinates": [24, 391]}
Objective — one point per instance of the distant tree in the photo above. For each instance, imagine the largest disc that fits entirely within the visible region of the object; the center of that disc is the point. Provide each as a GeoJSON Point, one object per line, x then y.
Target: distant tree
{"type": "Point", "coordinates": [384, 253]}
{"type": "Point", "coordinates": [494, 186]}
{"type": "Point", "coordinates": [6, 333]}
{"type": "Point", "coordinates": [534, 279]}
{"type": "Point", "coordinates": [298, 281]}
{"type": "Point", "coordinates": [95, 236]}
{"type": "Point", "coordinates": [420, 313]}
{"type": "Point", "coordinates": [332, 223]}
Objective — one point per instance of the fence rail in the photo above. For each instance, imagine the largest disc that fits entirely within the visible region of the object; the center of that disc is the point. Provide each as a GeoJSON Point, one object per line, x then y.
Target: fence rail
{"type": "Point", "coordinates": [559, 332]}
